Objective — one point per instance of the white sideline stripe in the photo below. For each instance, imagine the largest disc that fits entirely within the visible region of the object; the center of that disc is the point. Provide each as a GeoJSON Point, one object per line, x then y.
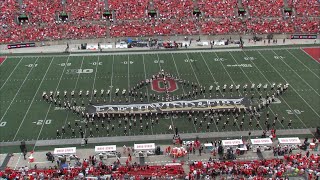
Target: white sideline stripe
{"type": "Point", "coordinates": [297, 74]}
{"type": "Point", "coordinates": [50, 104]}
{"type": "Point", "coordinates": [287, 81]}
{"type": "Point", "coordinates": [146, 51]}
{"type": "Point", "coordinates": [18, 90]}
{"type": "Point", "coordinates": [25, 115]}
{"type": "Point", "coordinates": [303, 64]}
{"type": "Point", "coordinates": [11, 73]}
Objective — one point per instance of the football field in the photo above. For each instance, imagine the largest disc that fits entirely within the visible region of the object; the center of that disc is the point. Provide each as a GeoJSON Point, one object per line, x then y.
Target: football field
{"type": "Point", "coordinates": [25, 115]}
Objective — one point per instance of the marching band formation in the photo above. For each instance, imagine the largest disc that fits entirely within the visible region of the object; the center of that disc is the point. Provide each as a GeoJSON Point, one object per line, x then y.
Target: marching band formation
{"type": "Point", "coordinates": [260, 98]}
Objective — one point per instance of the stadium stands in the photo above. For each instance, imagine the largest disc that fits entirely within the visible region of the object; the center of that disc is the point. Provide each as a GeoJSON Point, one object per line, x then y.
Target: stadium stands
{"type": "Point", "coordinates": [224, 26]}
{"type": "Point", "coordinates": [42, 11]}
{"type": "Point", "coordinates": [85, 9]}
{"type": "Point", "coordinates": [84, 18]}
{"type": "Point", "coordinates": [307, 25]}
{"type": "Point", "coordinates": [264, 8]}
{"type": "Point", "coordinates": [256, 169]}
{"type": "Point", "coordinates": [134, 28]}
{"type": "Point", "coordinates": [129, 9]}
{"type": "Point", "coordinates": [306, 8]}
{"type": "Point", "coordinates": [174, 9]}
{"type": "Point", "coordinates": [218, 8]}
{"type": "Point", "coordinates": [257, 25]}
{"type": "Point", "coordinates": [87, 169]}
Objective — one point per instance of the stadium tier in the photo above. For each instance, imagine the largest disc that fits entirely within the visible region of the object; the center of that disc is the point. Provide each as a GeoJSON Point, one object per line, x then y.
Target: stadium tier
{"type": "Point", "coordinates": [36, 20]}
{"type": "Point", "coordinates": [292, 165]}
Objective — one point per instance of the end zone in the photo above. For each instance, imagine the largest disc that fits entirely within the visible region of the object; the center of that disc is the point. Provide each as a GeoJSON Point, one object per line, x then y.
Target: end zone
{"type": "Point", "coordinates": [2, 59]}
{"type": "Point", "coordinates": [314, 53]}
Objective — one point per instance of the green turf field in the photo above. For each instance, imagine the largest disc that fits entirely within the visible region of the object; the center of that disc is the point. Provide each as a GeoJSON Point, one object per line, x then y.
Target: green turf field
{"type": "Point", "coordinates": [26, 116]}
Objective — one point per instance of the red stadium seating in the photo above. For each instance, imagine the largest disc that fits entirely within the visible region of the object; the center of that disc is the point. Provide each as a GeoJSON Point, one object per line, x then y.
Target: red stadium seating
{"type": "Point", "coordinates": [174, 9]}
{"type": "Point", "coordinates": [129, 9]}
{"type": "Point", "coordinates": [264, 8]}
{"type": "Point", "coordinates": [85, 9]}
{"type": "Point", "coordinates": [42, 11]}
{"type": "Point", "coordinates": [306, 8]}
{"type": "Point", "coordinates": [175, 17]}
{"type": "Point", "coordinates": [218, 8]}
{"type": "Point", "coordinates": [258, 169]}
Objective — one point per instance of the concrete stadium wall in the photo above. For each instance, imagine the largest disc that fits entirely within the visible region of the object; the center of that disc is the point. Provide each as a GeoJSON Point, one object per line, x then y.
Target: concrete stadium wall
{"type": "Point", "coordinates": [172, 38]}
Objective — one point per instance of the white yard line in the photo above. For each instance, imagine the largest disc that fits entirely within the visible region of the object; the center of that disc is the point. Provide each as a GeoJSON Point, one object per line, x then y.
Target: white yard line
{"type": "Point", "coordinates": [128, 75]}
{"type": "Point", "coordinates": [18, 90]}
{"type": "Point", "coordinates": [94, 80]}
{"type": "Point", "coordinates": [160, 71]}
{"type": "Point", "coordinates": [297, 74]}
{"type": "Point", "coordinates": [145, 76]}
{"type": "Point", "coordinates": [280, 96]}
{"type": "Point", "coordinates": [291, 86]}
{"type": "Point", "coordinates": [184, 92]}
{"type": "Point", "coordinates": [303, 64]}
{"type": "Point", "coordinates": [232, 83]}
{"type": "Point", "coordinates": [252, 82]}
{"type": "Point", "coordinates": [11, 73]}
{"type": "Point", "coordinates": [50, 104]}
{"type": "Point", "coordinates": [193, 70]}
{"type": "Point", "coordinates": [110, 95]}
{"type": "Point", "coordinates": [215, 81]}
{"type": "Point", "coordinates": [75, 86]}
{"type": "Point", "coordinates": [25, 115]}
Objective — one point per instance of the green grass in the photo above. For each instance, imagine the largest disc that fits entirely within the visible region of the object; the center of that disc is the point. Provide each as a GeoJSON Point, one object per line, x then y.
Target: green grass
{"type": "Point", "coordinates": [25, 116]}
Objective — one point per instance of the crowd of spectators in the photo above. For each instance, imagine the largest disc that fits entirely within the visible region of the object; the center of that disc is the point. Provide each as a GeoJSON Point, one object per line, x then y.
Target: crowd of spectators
{"type": "Point", "coordinates": [258, 169]}
{"type": "Point", "coordinates": [305, 8]}
{"type": "Point", "coordinates": [264, 8]}
{"type": "Point", "coordinates": [51, 31]}
{"type": "Point", "coordinates": [92, 168]}
{"type": "Point", "coordinates": [41, 11]}
{"type": "Point", "coordinates": [291, 165]}
{"type": "Point", "coordinates": [85, 9]}
{"type": "Point", "coordinates": [8, 12]}
{"type": "Point", "coordinates": [129, 9]}
{"type": "Point", "coordinates": [218, 8]}
{"type": "Point", "coordinates": [307, 25]}
{"type": "Point", "coordinates": [174, 17]}
{"type": "Point", "coordinates": [174, 9]}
